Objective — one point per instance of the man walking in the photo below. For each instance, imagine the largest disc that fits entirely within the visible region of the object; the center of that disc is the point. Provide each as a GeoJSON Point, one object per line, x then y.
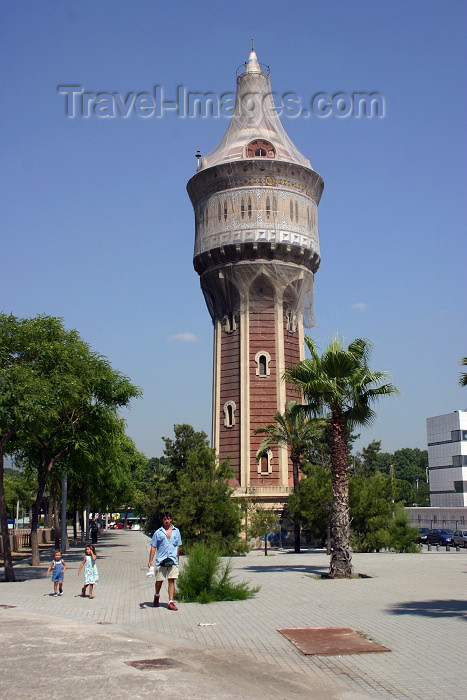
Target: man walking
{"type": "Point", "coordinates": [165, 544]}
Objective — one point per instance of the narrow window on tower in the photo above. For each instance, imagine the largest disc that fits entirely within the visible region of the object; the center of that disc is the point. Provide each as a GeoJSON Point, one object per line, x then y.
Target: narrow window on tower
{"type": "Point", "coordinates": [242, 208]}
{"type": "Point", "coordinates": [268, 208]}
{"type": "Point", "coordinates": [291, 210]}
{"type": "Point", "coordinates": [229, 414]}
{"type": "Point", "coordinates": [265, 463]}
{"type": "Point", "coordinates": [308, 216]}
{"type": "Point", "coordinates": [225, 210]}
{"type": "Point", "coordinates": [296, 210]}
{"type": "Point", "coordinates": [229, 324]}
{"type": "Point", "coordinates": [249, 208]}
{"type": "Point", "coordinates": [263, 359]}
{"type": "Point", "coordinates": [274, 205]}
{"type": "Point", "coordinates": [219, 211]}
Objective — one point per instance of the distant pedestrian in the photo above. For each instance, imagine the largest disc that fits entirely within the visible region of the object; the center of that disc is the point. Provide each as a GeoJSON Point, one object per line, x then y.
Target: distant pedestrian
{"type": "Point", "coordinates": [94, 528]}
{"type": "Point", "coordinates": [91, 574]}
{"type": "Point", "coordinates": [166, 542]}
{"type": "Point", "coordinates": [58, 568]}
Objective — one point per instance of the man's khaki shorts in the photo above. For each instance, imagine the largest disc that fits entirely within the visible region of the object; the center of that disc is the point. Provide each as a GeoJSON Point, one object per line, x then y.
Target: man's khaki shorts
{"type": "Point", "coordinates": [163, 572]}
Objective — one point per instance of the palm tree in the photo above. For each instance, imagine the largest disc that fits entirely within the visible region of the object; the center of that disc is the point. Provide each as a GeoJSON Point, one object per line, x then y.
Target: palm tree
{"type": "Point", "coordinates": [339, 385]}
{"type": "Point", "coordinates": [293, 430]}
{"type": "Point", "coordinates": [463, 377]}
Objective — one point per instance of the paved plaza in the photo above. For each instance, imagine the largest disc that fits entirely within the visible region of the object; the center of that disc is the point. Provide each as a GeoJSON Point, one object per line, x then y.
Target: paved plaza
{"type": "Point", "coordinates": [414, 604]}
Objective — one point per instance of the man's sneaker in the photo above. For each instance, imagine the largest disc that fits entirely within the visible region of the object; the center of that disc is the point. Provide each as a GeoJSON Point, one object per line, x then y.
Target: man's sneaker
{"type": "Point", "coordinates": [156, 601]}
{"type": "Point", "coordinates": [60, 593]}
{"type": "Point", "coordinates": [172, 606]}
{"type": "Point", "coordinates": [55, 595]}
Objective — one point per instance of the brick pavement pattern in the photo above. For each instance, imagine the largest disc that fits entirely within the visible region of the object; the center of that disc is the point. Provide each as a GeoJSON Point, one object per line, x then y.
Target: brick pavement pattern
{"type": "Point", "coordinates": [415, 604]}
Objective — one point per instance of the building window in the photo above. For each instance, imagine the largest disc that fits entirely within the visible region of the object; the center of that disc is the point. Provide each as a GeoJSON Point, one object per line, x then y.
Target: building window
{"type": "Point", "coordinates": [219, 211]}
{"type": "Point", "coordinates": [268, 208]}
{"type": "Point", "coordinates": [460, 486]}
{"type": "Point", "coordinates": [229, 323]}
{"type": "Point", "coordinates": [265, 463]}
{"type": "Point", "coordinates": [291, 210]}
{"type": "Point", "coordinates": [225, 210]}
{"type": "Point", "coordinates": [296, 210]}
{"type": "Point", "coordinates": [459, 461]}
{"type": "Point", "coordinates": [229, 414]}
{"type": "Point", "coordinates": [249, 208]}
{"type": "Point", "coordinates": [260, 149]}
{"type": "Point", "coordinates": [262, 359]}
{"type": "Point", "coordinates": [242, 208]}
{"type": "Point", "coordinates": [274, 205]}
{"type": "Point", "coordinates": [458, 435]}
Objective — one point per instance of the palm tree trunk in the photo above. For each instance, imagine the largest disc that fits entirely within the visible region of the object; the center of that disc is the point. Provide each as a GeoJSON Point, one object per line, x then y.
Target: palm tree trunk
{"type": "Point", "coordinates": [296, 488]}
{"type": "Point", "coordinates": [340, 565]}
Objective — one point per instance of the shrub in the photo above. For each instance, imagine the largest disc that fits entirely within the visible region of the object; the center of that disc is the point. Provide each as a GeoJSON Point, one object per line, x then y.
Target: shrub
{"type": "Point", "coordinates": [203, 579]}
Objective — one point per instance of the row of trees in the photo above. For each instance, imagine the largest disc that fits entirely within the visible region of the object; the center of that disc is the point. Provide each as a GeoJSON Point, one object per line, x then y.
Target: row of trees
{"type": "Point", "coordinates": [59, 405]}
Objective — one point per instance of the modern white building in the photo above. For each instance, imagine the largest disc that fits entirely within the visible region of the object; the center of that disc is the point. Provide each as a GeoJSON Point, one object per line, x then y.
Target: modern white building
{"type": "Point", "coordinates": [447, 459]}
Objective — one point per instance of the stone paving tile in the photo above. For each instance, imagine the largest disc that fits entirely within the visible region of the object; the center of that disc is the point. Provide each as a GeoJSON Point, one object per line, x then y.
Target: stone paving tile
{"type": "Point", "coordinates": [413, 604]}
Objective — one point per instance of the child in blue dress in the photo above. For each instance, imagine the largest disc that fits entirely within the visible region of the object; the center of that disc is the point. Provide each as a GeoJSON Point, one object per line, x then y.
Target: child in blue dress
{"type": "Point", "coordinates": [58, 567]}
{"type": "Point", "coordinates": [91, 574]}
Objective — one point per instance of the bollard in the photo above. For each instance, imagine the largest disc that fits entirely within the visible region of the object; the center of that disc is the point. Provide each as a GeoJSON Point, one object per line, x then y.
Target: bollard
{"type": "Point", "coordinates": [437, 547]}
{"type": "Point", "coordinates": [448, 548]}
{"type": "Point", "coordinates": [458, 549]}
{"type": "Point", "coordinates": [429, 547]}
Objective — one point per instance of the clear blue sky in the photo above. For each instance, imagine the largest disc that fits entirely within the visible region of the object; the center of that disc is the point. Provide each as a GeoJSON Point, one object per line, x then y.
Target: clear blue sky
{"type": "Point", "coordinates": [97, 227]}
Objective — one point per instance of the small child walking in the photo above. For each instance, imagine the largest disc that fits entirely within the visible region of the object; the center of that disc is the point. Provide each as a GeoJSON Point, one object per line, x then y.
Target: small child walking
{"type": "Point", "coordinates": [58, 568]}
{"type": "Point", "coordinates": [91, 574]}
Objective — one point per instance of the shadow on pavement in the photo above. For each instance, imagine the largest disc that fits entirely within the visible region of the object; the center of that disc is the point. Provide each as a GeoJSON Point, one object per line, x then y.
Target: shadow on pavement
{"type": "Point", "coordinates": [432, 608]}
{"type": "Point", "coordinates": [274, 568]}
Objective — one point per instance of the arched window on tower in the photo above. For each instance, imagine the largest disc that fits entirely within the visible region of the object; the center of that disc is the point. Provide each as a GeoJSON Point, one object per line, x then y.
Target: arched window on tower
{"type": "Point", "coordinates": [219, 211]}
{"type": "Point", "coordinates": [262, 360]}
{"type": "Point", "coordinates": [249, 208]}
{"type": "Point", "coordinates": [229, 414]}
{"type": "Point", "coordinates": [229, 323]}
{"type": "Point", "coordinates": [291, 209]}
{"type": "Point", "coordinates": [242, 208]}
{"type": "Point", "coordinates": [296, 211]}
{"type": "Point", "coordinates": [268, 208]}
{"type": "Point", "coordinates": [260, 149]}
{"type": "Point", "coordinates": [225, 210]}
{"type": "Point", "coordinates": [265, 463]}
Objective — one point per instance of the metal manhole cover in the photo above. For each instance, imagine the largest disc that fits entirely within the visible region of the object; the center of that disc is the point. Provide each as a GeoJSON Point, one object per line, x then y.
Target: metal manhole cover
{"type": "Point", "coordinates": [147, 664]}
{"type": "Point", "coordinates": [331, 641]}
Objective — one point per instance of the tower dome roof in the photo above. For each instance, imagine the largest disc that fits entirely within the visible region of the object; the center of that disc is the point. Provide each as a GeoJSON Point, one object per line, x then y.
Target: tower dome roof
{"type": "Point", "coordinates": [255, 129]}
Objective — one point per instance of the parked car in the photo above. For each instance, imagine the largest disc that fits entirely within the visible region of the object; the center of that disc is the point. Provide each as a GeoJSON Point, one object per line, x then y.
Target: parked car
{"type": "Point", "coordinates": [420, 538]}
{"type": "Point", "coordinates": [460, 538]}
{"type": "Point", "coordinates": [439, 536]}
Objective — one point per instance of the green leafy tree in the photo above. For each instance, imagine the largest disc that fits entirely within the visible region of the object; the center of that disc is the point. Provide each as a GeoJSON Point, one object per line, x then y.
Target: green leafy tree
{"type": "Point", "coordinates": [377, 520]}
{"type": "Point", "coordinates": [296, 432]}
{"type": "Point", "coordinates": [341, 386]}
{"type": "Point", "coordinates": [56, 396]}
{"type": "Point", "coordinates": [262, 522]}
{"type": "Point", "coordinates": [315, 500]}
{"type": "Point", "coordinates": [203, 509]}
{"type": "Point", "coordinates": [368, 458]}
{"type": "Point", "coordinates": [186, 439]}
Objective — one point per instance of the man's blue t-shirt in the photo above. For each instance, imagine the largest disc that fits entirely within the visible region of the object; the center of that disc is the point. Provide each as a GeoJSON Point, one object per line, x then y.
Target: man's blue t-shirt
{"type": "Point", "coordinates": [165, 547]}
